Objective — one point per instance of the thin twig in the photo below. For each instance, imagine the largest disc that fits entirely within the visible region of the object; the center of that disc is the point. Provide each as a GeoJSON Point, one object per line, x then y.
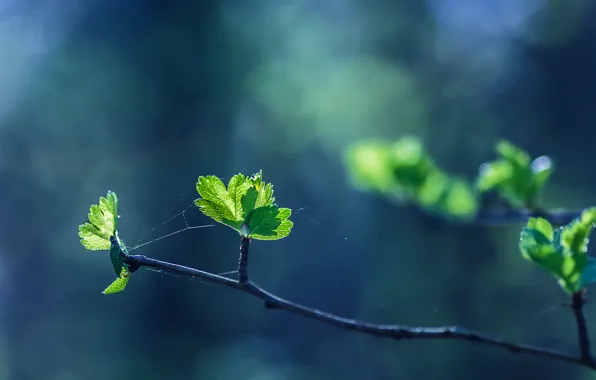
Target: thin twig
{"type": "Point", "coordinates": [243, 260]}
{"type": "Point", "coordinates": [504, 217]}
{"type": "Point", "coordinates": [577, 304]}
{"type": "Point", "coordinates": [396, 332]}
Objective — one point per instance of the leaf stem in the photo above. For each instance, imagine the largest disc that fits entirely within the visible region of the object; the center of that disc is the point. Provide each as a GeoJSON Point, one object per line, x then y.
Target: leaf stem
{"type": "Point", "coordinates": [578, 301]}
{"type": "Point", "coordinates": [392, 331]}
{"type": "Point", "coordinates": [243, 260]}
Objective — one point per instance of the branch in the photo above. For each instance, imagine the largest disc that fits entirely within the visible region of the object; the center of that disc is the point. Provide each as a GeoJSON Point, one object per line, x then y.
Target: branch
{"type": "Point", "coordinates": [577, 304]}
{"type": "Point", "coordinates": [557, 217]}
{"type": "Point", "coordinates": [395, 332]}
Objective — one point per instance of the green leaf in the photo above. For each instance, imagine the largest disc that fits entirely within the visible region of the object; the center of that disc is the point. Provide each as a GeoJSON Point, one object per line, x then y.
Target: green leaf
{"type": "Point", "coordinates": [536, 244]}
{"type": "Point", "coordinates": [460, 200]}
{"type": "Point", "coordinates": [246, 200]}
{"type": "Point", "coordinates": [513, 176]}
{"type": "Point", "coordinates": [493, 175]}
{"type": "Point", "coordinates": [562, 252]}
{"type": "Point", "coordinates": [120, 283]}
{"type": "Point", "coordinates": [103, 221]}
{"type": "Point", "coordinates": [264, 191]}
{"type": "Point", "coordinates": [369, 166]}
{"type": "Point", "coordinates": [574, 236]}
{"type": "Point", "coordinates": [542, 169]}
{"type": "Point", "coordinates": [269, 223]}
{"type": "Point", "coordinates": [237, 188]}
{"type": "Point", "coordinates": [249, 201]}
{"type": "Point", "coordinates": [216, 203]}
{"type": "Point", "coordinates": [513, 154]}
{"type": "Point", "coordinates": [411, 164]}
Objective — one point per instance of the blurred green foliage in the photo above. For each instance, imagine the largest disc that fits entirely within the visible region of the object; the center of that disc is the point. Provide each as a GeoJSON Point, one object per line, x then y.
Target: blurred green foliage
{"type": "Point", "coordinates": [404, 170]}
{"type": "Point", "coordinates": [514, 177]}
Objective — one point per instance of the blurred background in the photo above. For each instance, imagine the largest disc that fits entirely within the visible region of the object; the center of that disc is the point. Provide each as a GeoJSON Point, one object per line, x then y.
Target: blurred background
{"type": "Point", "coordinates": [142, 97]}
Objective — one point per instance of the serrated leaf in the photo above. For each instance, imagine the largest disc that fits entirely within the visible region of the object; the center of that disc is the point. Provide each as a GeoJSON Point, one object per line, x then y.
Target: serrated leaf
{"type": "Point", "coordinates": [574, 236]}
{"type": "Point", "coordinates": [493, 174]}
{"type": "Point", "coordinates": [265, 196]}
{"type": "Point", "coordinates": [269, 223]}
{"type": "Point", "coordinates": [249, 201]}
{"type": "Point", "coordinates": [120, 283]}
{"type": "Point", "coordinates": [562, 252]}
{"type": "Point", "coordinates": [238, 204]}
{"type": "Point", "coordinates": [215, 202]}
{"type": "Point", "coordinates": [536, 244]}
{"type": "Point", "coordinates": [103, 221]}
{"type": "Point", "coordinates": [237, 188]}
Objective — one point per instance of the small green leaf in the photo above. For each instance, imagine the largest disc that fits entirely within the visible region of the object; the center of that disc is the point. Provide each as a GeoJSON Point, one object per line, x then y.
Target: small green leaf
{"type": "Point", "coordinates": [460, 200]}
{"type": "Point", "coordinates": [216, 203]}
{"type": "Point", "coordinates": [120, 283]}
{"type": "Point", "coordinates": [249, 201]}
{"type": "Point", "coordinates": [574, 236]}
{"type": "Point", "coordinates": [237, 188]}
{"type": "Point", "coordinates": [493, 174]}
{"type": "Point", "coordinates": [264, 190]}
{"type": "Point", "coordinates": [536, 244]}
{"type": "Point", "coordinates": [411, 164]}
{"type": "Point", "coordinates": [103, 221]}
{"type": "Point", "coordinates": [513, 154]}
{"type": "Point", "coordinates": [563, 252]}
{"type": "Point", "coordinates": [514, 177]}
{"type": "Point", "coordinates": [269, 223]}
{"type": "Point", "coordinates": [369, 166]}
{"type": "Point", "coordinates": [542, 169]}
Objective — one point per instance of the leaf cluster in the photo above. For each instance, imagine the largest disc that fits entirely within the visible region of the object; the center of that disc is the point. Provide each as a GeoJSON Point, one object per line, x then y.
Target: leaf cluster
{"type": "Point", "coordinates": [100, 234]}
{"type": "Point", "coordinates": [563, 251]}
{"type": "Point", "coordinates": [404, 170]}
{"type": "Point", "coordinates": [514, 176]}
{"type": "Point", "coordinates": [247, 205]}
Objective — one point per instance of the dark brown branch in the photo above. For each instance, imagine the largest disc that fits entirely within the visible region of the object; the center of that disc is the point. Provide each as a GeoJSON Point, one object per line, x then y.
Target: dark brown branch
{"type": "Point", "coordinates": [243, 260]}
{"type": "Point", "coordinates": [396, 332]}
{"type": "Point", "coordinates": [577, 304]}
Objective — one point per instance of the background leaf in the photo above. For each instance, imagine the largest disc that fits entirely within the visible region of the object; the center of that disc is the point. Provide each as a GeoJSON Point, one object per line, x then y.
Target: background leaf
{"type": "Point", "coordinates": [513, 176]}
{"type": "Point", "coordinates": [562, 252]}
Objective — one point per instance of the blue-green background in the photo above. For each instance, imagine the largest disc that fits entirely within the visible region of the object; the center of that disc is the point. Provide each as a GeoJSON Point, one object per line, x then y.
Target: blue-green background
{"type": "Point", "coordinates": [142, 97]}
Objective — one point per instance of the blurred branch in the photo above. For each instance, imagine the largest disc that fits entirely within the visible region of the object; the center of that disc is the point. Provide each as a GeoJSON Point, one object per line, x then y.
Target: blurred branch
{"type": "Point", "coordinates": [396, 332]}
{"type": "Point", "coordinates": [503, 217]}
